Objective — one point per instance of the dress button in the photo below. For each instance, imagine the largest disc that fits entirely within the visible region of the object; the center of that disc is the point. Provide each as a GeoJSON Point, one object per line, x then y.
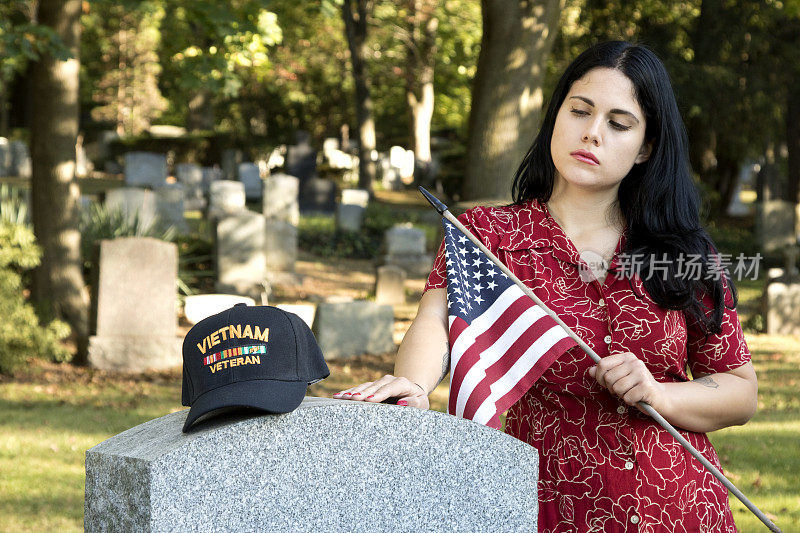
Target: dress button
{"type": "Point", "coordinates": [601, 303]}
{"type": "Point", "coordinates": [634, 519]}
{"type": "Point", "coordinates": [621, 410]}
{"type": "Point", "coordinates": [607, 339]}
{"type": "Point", "coordinates": [628, 465]}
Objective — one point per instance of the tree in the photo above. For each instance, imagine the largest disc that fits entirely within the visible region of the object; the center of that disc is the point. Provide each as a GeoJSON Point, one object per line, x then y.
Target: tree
{"type": "Point", "coordinates": [58, 281]}
{"type": "Point", "coordinates": [507, 93]}
{"type": "Point", "coordinates": [355, 23]}
{"type": "Point", "coordinates": [22, 40]}
{"type": "Point", "coordinates": [421, 49]}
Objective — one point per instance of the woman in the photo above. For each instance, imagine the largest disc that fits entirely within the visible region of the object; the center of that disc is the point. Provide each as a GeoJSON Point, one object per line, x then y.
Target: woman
{"type": "Point", "coordinates": [607, 180]}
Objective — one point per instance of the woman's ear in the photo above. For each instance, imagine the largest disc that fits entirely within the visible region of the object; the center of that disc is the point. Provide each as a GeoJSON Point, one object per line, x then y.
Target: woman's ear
{"type": "Point", "coordinates": [644, 152]}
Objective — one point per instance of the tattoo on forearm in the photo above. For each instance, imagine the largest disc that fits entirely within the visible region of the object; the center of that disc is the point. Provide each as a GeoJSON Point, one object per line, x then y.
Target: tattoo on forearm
{"type": "Point", "coordinates": [706, 381]}
{"type": "Point", "coordinates": [445, 365]}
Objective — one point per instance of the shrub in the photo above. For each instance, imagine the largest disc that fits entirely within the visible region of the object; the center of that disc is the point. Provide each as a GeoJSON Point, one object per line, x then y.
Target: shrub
{"type": "Point", "coordinates": [21, 334]}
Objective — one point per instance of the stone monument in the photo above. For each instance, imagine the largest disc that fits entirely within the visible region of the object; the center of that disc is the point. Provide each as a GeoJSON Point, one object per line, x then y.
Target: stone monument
{"type": "Point", "coordinates": [134, 319]}
{"type": "Point", "coordinates": [405, 247]}
{"type": "Point", "coordinates": [330, 465]}
{"type": "Point", "coordinates": [145, 169]}
{"type": "Point", "coordinates": [347, 329]}
{"type": "Point", "coordinates": [240, 255]}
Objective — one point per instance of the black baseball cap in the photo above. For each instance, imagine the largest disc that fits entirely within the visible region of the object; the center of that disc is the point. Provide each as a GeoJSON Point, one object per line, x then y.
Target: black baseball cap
{"type": "Point", "coordinates": [249, 356]}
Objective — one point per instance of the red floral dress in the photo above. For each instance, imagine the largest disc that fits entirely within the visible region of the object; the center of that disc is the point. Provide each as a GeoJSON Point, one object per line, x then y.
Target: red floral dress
{"type": "Point", "coordinates": [604, 466]}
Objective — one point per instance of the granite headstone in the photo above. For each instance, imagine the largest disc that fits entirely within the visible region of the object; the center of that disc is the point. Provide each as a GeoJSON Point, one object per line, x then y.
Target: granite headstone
{"type": "Point", "coordinates": [281, 192]}
{"type": "Point", "coordinates": [347, 329]}
{"type": "Point", "coordinates": [330, 465]}
{"type": "Point", "coordinates": [145, 169]}
{"type": "Point", "coordinates": [134, 319]}
{"type": "Point", "coordinates": [240, 256]}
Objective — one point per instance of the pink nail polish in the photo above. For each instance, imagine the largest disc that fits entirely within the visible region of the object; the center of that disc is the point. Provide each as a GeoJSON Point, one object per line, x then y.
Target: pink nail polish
{"type": "Point", "coordinates": [402, 402]}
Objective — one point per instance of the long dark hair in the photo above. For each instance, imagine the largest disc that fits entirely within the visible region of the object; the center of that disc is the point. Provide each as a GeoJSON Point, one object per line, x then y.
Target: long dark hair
{"type": "Point", "coordinates": [658, 199]}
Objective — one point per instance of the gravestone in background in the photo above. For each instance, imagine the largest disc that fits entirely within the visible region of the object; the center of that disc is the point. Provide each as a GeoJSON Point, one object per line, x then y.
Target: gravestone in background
{"type": "Point", "coordinates": [305, 311]}
{"type": "Point", "coordinates": [783, 307]}
{"type": "Point", "coordinates": [301, 158]}
{"type": "Point", "coordinates": [349, 217]}
{"type": "Point", "coordinates": [190, 176]}
{"type": "Point", "coordinates": [250, 176]}
{"type": "Point", "coordinates": [280, 247]}
{"type": "Point", "coordinates": [5, 157]}
{"type": "Point", "coordinates": [170, 201]}
{"type": "Point", "coordinates": [318, 195]}
{"type": "Point", "coordinates": [240, 256]}
{"type": "Point", "coordinates": [134, 204]}
{"type": "Point", "coordinates": [199, 306]}
{"type": "Point", "coordinates": [281, 192]}
{"type": "Point", "coordinates": [145, 169]}
{"type": "Point", "coordinates": [210, 175]}
{"type": "Point", "coordinates": [775, 224]}
{"type": "Point", "coordinates": [347, 329]}
{"type": "Point", "coordinates": [390, 285]}
{"type": "Point", "coordinates": [231, 157]}
{"type": "Point", "coordinates": [226, 198]}
{"type": "Point", "coordinates": [330, 465]}
{"type": "Point", "coordinates": [134, 320]}
{"type": "Point", "coordinates": [405, 247]}
{"type": "Point", "coordinates": [351, 208]}
{"type": "Point", "coordinates": [20, 159]}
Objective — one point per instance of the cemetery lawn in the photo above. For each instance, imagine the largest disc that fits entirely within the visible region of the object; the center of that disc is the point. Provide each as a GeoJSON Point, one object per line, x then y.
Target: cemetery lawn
{"type": "Point", "coordinates": [51, 414]}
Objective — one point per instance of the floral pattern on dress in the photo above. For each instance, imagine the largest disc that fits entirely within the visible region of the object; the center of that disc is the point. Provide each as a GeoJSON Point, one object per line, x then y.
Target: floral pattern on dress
{"type": "Point", "coordinates": [605, 466]}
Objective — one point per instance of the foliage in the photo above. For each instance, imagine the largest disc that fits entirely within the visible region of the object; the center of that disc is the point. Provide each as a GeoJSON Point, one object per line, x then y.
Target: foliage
{"type": "Point", "coordinates": [124, 37]}
{"type": "Point", "coordinates": [99, 222]}
{"type": "Point", "coordinates": [318, 234]}
{"type": "Point", "coordinates": [22, 40]}
{"type": "Point", "coordinates": [21, 334]}
{"type": "Point", "coordinates": [13, 205]}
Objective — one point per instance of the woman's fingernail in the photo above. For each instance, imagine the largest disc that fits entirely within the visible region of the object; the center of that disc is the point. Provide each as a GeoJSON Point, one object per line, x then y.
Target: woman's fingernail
{"type": "Point", "coordinates": [402, 402]}
{"type": "Point", "coordinates": [370, 396]}
{"type": "Point", "coordinates": [357, 394]}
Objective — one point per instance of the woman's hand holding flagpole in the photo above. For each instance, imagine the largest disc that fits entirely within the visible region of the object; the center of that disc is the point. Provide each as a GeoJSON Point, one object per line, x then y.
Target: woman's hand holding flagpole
{"type": "Point", "coordinates": [442, 209]}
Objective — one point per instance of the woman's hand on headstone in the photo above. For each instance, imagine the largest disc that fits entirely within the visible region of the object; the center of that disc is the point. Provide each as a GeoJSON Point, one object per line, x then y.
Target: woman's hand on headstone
{"type": "Point", "coordinates": [405, 391]}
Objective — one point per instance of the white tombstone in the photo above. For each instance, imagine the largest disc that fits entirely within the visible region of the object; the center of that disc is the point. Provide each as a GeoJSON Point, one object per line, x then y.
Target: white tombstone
{"type": "Point", "coordinates": [226, 198]}
{"type": "Point", "coordinates": [170, 201]}
{"type": "Point", "coordinates": [240, 254]}
{"type": "Point", "coordinates": [199, 306]}
{"type": "Point", "coordinates": [358, 197]}
{"type": "Point", "coordinates": [281, 193]}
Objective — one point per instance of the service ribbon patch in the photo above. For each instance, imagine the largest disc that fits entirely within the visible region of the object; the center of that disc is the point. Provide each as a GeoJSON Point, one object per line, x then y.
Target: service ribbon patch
{"type": "Point", "coordinates": [233, 352]}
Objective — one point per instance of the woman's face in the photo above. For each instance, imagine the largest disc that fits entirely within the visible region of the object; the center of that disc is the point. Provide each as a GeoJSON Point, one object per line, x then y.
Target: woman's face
{"type": "Point", "coordinates": [599, 132]}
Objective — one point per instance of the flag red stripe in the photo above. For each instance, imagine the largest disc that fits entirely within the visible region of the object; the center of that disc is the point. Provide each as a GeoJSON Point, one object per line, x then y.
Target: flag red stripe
{"type": "Point", "coordinates": [472, 354]}
{"type": "Point", "coordinates": [500, 367]}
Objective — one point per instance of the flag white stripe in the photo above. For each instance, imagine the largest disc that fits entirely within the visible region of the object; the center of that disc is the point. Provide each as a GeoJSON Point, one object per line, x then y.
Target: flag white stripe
{"type": "Point", "coordinates": [482, 323]}
{"type": "Point", "coordinates": [514, 375]}
{"type": "Point", "coordinates": [498, 349]}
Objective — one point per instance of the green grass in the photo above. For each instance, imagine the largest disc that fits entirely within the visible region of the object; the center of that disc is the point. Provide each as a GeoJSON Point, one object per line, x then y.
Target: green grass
{"type": "Point", "coordinates": [51, 417]}
{"type": "Point", "coordinates": [762, 458]}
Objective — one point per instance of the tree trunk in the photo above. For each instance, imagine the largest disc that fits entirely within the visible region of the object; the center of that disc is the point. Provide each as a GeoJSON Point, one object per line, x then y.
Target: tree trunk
{"type": "Point", "coordinates": [59, 287]}
{"type": "Point", "coordinates": [420, 60]}
{"type": "Point", "coordinates": [793, 144]}
{"type": "Point", "coordinates": [355, 25]}
{"type": "Point", "coordinates": [507, 92]}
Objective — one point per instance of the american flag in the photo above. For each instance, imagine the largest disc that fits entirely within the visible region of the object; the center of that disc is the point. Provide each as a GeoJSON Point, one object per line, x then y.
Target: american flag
{"type": "Point", "coordinates": [500, 340]}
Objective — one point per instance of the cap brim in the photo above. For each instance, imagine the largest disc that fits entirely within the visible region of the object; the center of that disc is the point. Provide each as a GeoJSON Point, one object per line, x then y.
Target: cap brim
{"type": "Point", "coordinates": [268, 395]}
